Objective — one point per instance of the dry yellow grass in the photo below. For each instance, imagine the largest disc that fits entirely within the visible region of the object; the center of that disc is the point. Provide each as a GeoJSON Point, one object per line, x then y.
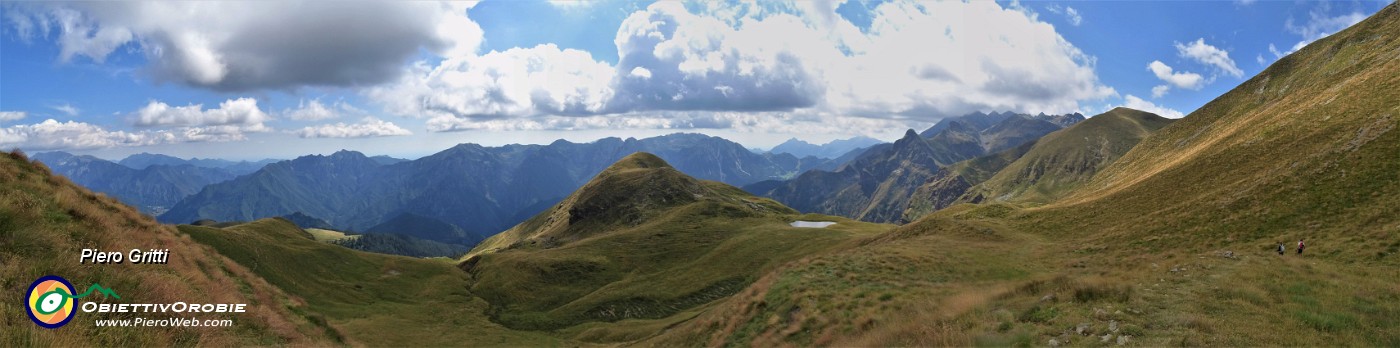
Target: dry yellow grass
{"type": "Point", "coordinates": [45, 221]}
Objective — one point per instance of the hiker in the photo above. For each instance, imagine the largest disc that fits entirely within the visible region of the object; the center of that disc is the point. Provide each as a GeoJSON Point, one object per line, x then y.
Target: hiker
{"type": "Point", "coordinates": [1280, 248]}
{"type": "Point", "coordinates": [1300, 247]}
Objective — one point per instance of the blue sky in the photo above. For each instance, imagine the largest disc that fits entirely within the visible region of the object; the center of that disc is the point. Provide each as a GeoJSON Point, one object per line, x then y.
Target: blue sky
{"type": "Point", "coordinates": [223, 79]}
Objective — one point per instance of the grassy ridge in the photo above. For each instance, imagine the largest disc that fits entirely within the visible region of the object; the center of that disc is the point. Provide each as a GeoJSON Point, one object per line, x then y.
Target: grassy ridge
{"type": "Point", "coordinates": [45, 221]}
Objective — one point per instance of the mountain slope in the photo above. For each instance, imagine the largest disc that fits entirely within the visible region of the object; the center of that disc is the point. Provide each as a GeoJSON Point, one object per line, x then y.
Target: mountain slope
{"type": "Point", "coordinates": [641, 241]}
{"type": "Point", "coordinates": [312, 185]}
{"type": "Point", "coordinates": [1310, 142]}
{"type": "Point", "coordinates": [423, 227]}
{"type": "Point", "coordinates": [975, 120]}
{"type": "Point", "coordinates": [307, 221]}
{"type": "Point", "coordinates": [949, 184]}
{"type": "Point", "coordinates": [877, 185]}
{"type": "Point", "coordinates": [153, 189]}
{"type": "Point", "coordinates": [398, 244]}
{"type": "Point", "coordinates": [45, 221]}
{"type": "Point", "coordinates": [1038, 171]}
{"type": "Point", "coordinates": [144, 160]}
{"type": "Point", "coordinates": [1066, 159]}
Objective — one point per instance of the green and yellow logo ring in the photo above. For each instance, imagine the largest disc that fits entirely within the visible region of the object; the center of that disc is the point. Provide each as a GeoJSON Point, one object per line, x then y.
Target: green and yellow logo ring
{"type": "Point", "coordinates": [51, 302]}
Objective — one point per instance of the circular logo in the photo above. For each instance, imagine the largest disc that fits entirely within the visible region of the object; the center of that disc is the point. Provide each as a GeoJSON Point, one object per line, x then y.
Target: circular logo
{"type": "Point", "coordinates": [50, 301]}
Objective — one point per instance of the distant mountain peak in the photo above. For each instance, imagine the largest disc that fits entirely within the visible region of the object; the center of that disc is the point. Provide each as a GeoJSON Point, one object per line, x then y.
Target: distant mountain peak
{"type": "Point", "coordinates": [347, 153]}
{"type": "Point", "coordinates": [832, 149]}
{"type": "Point", "coordinates": [909, 134]}
{"type": "Point", "coordinates": [795, 141]}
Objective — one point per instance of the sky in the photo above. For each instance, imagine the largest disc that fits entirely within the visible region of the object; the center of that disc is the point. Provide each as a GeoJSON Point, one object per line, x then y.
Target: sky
{"type": "Point", "coordinates": [280, 79]}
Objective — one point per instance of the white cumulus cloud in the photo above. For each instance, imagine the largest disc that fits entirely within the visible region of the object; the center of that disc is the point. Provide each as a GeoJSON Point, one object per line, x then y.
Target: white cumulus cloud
{"type": "Point", "coordinates": [1320, 24]}
{"type": "Point", "coordinates": [52, 134]}
{"type": "Point", "coordinates": [1133, 102]}
{"type": "Point", "coordinates": [1161, 90]}
{"type": "Point", "coordinates": [1071, 15]}
{"type": "Point", "coordinates": [1184, 79]}
{"type": "Point", "coordinates": [677, 60]}
{"type": "Point", "coordinates": [368, 127]}
{"type": "Point", "coordinates": [1074, 17]}
{"type": "Point", "coordinates": [516, 82]}
{"type": "Point", "coordinates": [310, 111]}
{"type": "Point", "coordinates": [67, 109]}
{"type": "Point", "coordinates": [640, 72]}
{"type": "Point", "coordinates": [9, 116]}
{"type": "Point", "coordinates": [1209, 55]}
{"type": "Point", "coordinates": [72, 135]}
{"type": "Point", "coordinates": [242, 112]}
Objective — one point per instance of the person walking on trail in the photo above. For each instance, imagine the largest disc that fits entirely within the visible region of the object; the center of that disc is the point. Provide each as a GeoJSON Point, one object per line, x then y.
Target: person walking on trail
{"type": "Point", "coordinates": [1280, 248]}
{"type": "Point", "coordinates": [1300, 247]}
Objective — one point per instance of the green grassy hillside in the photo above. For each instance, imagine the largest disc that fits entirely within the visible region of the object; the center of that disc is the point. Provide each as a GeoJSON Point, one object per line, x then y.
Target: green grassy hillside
{"type": "Point", "coordinates": [370, 299]}
{"type": "Point", "coordinates": [45, 221]}
{"type": "Point", "coordinates": [638, 248]}
{"type": "Point", "coordinates": [1066, 159]}
{"type": "Point", "coordinates": [1170, 245]}
{"type": "Point", "coordinates": [1306, 149]}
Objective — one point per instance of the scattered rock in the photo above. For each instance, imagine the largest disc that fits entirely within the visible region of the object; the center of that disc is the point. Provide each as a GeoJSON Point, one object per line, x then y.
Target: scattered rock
{"type": "Point", "coordinates": [1122, 340]}
{"type": "Point", "coordinates": [1054, 342]}
{"type": "Point", "coordinates": [1100, 313]}
{"type": "Point", "coordinates": [1112, 326]}
{"type": "Point", "coordinates": [1117, 312]}
{"type": "Point", "coordinates": [1106, 338]}
{"type": "Point", "coordinates": [1082, 329]}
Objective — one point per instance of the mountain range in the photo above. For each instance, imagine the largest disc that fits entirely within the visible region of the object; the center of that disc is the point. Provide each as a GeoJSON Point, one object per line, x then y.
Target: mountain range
{"type": "Point", "coordinates": [152, 188]}
{"type": "Point", "coordinates": [144, 160]}
{"type": "Point", "coordinates": [834, 149]}
{"type": "Point", "coordinates": [479, 190]}
{"type": "Point", "coordinates": [1040, 170]}
{"type": "Point", "coordinates": [877, 185]}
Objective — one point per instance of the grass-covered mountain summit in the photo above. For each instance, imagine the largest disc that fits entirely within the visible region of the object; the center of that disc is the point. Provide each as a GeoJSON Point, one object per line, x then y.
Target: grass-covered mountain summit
{"type": "Point", "coordinates": [640, 241]}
